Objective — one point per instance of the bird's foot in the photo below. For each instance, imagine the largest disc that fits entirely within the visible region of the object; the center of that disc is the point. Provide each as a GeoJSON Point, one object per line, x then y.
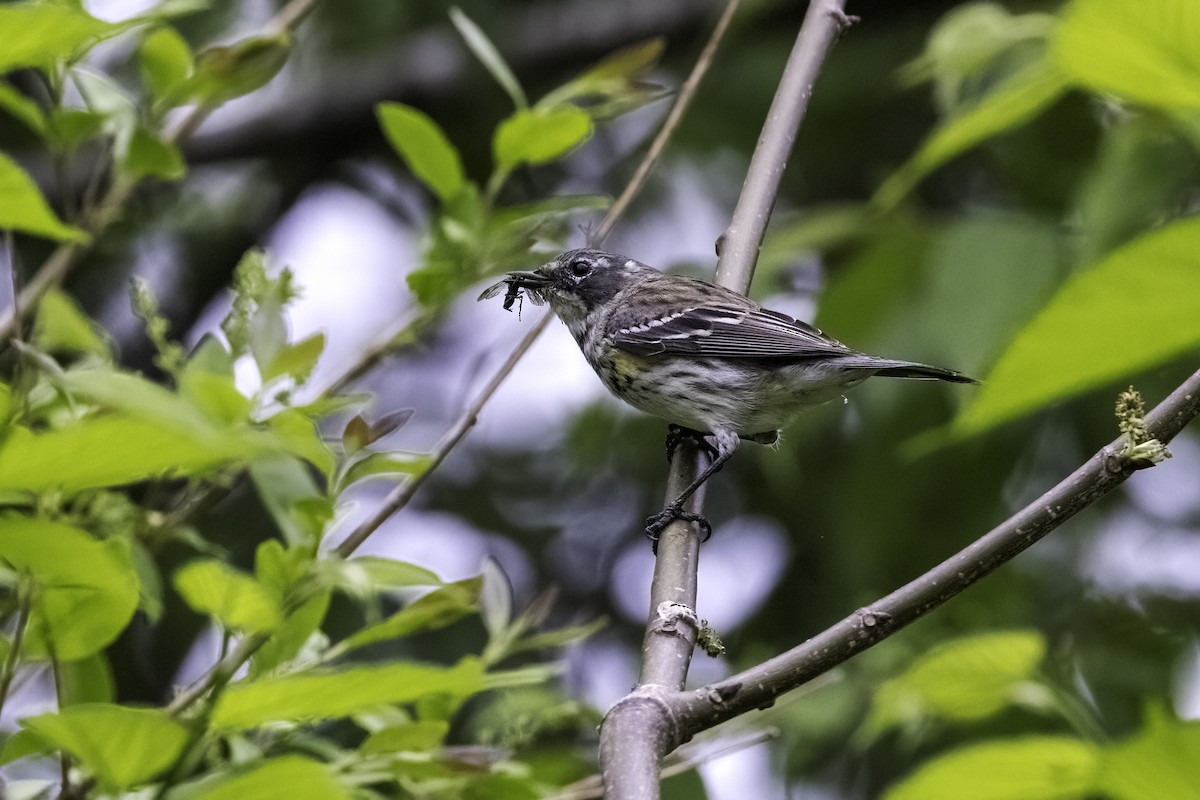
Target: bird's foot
{"type": "Point", "coordinates": [677, 433]}
{"type": "Point", "coordinates": [657, 523]}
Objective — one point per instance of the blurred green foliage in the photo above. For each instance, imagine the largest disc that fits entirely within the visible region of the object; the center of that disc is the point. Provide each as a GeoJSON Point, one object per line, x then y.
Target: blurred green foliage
{"type": "Point", "coordinates": [1013, 198]}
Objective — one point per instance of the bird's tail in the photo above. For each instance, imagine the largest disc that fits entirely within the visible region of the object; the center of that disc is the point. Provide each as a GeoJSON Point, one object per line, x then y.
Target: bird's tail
{"type": "Point", "coordinates": [909, 369]}
{"type": "Point", "coordinates": [892, 368]}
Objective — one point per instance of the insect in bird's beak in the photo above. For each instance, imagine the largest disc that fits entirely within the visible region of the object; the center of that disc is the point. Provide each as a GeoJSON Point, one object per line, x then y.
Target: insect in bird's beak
{"type": "Point", "coordinates": [515, 282]}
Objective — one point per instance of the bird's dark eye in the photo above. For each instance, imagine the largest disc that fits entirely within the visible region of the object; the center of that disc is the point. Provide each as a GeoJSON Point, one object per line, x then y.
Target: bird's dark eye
{"type": "Point", "coordinates": [580, 268]}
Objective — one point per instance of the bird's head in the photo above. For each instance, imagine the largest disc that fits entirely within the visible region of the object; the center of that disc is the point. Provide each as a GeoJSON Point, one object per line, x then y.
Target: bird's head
{"type": "Point", "coordinates": [574, 283]}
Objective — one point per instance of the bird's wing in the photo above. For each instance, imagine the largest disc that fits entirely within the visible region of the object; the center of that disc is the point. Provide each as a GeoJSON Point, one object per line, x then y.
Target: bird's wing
{"type": "Point", "coordinates": [719, 331]}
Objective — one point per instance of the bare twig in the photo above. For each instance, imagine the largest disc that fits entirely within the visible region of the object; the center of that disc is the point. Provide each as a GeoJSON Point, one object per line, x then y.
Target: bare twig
{"type": "Point", "coordinates": [398, 498]}
{"type": "Point", "coordinates": [683, 101]}
{"type": "Point", "coordinates": [758, 686]}
{"type": "Point", "coordinates": [630, 750]}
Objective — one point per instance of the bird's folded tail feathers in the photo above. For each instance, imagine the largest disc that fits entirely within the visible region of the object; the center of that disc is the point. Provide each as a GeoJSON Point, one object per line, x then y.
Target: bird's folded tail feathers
{"type": "Point", "coordinates": [889, 368]}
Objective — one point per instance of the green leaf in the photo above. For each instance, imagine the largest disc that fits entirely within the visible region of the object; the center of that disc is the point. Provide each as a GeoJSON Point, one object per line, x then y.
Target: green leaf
{"type": "Point", "coordinates": [1145, 51]}
{"type": "Point", "coordinates": [374, 573]}
{"type": "Point", "coordinates": [214, 394]}
{"type": "Point", "coordinates": [149, 156]}
{"type": "Point", "coordinates": [68, 128]}
{"type": "Point", "coordinates": [153, 433]}
{"type": "Point", "coordinates": [38, 34]}
{"type": "Point", "coordinates": [122, 746]}
{"type": "Point", "coordinates": [114, 451]}
{"type": "Point", "coordinates": [540, 135]}
{"type": "Point", "coordinates": [24, 209]}
{"type": "Point", "coordinates": [611, 87]}
{"type": "Point", "coordinates": [62, 326]}
{"type": "Point", "coordinates": [22, 108]}
{"type": "Point", "coordinates": [1133, 310]}
{"type": "Point", "coordinates": [287, 489]}
{"type": "Point", "coordinates": [290, 637]}
{"type": "Point", "coordinates": [296, 360]}
{"type": "Point", "coordinates": [1032, 768]}
{"type": "Point", "coordinates": [86, 680]}
{"type": "Point", "coordinates": [223, 72]}
{"type": "Point", "coordinates": [87, 590]}
{"type": "Point", "coordinates": [165, 61]}
{"type": "Point", "coordinates": [962, 680]}
{"type": "Point", "coordinates": [422, 736]}
{"type": "Point", "coordinates": [375, 465]}
{"type": "Point", "coordinates": [488, 55]}
{"type": "Point", "coordinates": [1015, 101]}
{"type": "Point", "coordinates": [326, 695]}
{"type": "Point", "coordinates": [437, 609]}
{"type": "Point", "coordinates": [423, 146]}
{"type": "Point", "coordinates": [233, 598]}
{"type": "Point", "coordinates": [282, 778]}
{"type": "Point", "coordinates": [1162, 760]}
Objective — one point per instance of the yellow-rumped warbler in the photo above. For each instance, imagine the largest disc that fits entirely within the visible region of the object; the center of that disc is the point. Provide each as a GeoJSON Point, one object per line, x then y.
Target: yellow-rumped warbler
{"type": "Point", "coordinates": [698, 355]}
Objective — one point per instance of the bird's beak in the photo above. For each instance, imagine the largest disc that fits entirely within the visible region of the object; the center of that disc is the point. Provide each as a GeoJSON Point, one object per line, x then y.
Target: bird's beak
{"type": "Point", "coordinates": [535, 279]}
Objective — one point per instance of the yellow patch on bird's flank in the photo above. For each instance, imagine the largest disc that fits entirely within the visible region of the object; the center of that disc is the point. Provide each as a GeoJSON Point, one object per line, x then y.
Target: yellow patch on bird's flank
{"type": "Point", "coordinates": [625, 366]}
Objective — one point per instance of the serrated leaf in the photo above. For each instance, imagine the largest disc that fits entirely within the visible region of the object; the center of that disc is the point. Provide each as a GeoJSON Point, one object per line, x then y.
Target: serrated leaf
{"type": "Point", "coordinates": [540, 135]}
{"type": "Point", "coordinates": [122, 746]}
{"type": "Point", "coordinates": [318, 695]}
{"type": "Point", "coordinates": [963, 680]}
{"type": "Point", "coordinates": [233, 598]}
{"type": "Point", "coordinates": [1018, 99]}
{"type": "Point", "coordinates": [1133, 310]}
{"type": "Point", "coordinates": [24, 209]}
{"type": "Point", "coordinates": [87, 589]}
{"type": "Point", "coordinates": [1032, 768]}
{"type": "Point", "coordinates": [488, 55]}
{"type": "Point", "coordinates": [418, 140]}
{"type": "Point", "coordinates": [38, 34]}
{"type": "Point", "coordinates": [1145, 51]}
{"type": "Point", "coordinates": [282, 778]}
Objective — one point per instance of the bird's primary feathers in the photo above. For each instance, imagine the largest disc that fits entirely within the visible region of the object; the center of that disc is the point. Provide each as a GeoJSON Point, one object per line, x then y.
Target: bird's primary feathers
{"type": "Point", "coordinates": [697, 354]}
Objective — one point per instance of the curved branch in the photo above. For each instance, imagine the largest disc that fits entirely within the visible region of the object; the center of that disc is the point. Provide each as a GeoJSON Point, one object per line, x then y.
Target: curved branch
{"type": "Point", "coordinates": [758, 686]}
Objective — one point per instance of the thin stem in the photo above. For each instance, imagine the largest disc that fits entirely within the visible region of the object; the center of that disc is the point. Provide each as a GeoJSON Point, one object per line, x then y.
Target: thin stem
{"type": "Point", "coordinates": [398, 498]}
{"type": "Point", "coordinates": [14, 650]}
{"type": "Point", "coordinates": [758, 686]}
{"type": "Point", "coordinates": [683, 100]}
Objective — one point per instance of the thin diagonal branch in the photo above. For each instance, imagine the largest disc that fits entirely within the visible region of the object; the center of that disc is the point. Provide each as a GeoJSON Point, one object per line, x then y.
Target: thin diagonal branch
{"type": "Point", "coordinates": [683, 101]}
{"type": "Point", "coordinates": [758, 686]}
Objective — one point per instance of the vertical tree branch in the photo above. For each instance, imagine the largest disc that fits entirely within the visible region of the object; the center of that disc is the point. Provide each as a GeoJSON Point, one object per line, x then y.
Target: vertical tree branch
{"type": "Point", "coordinates": [628, 770]}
